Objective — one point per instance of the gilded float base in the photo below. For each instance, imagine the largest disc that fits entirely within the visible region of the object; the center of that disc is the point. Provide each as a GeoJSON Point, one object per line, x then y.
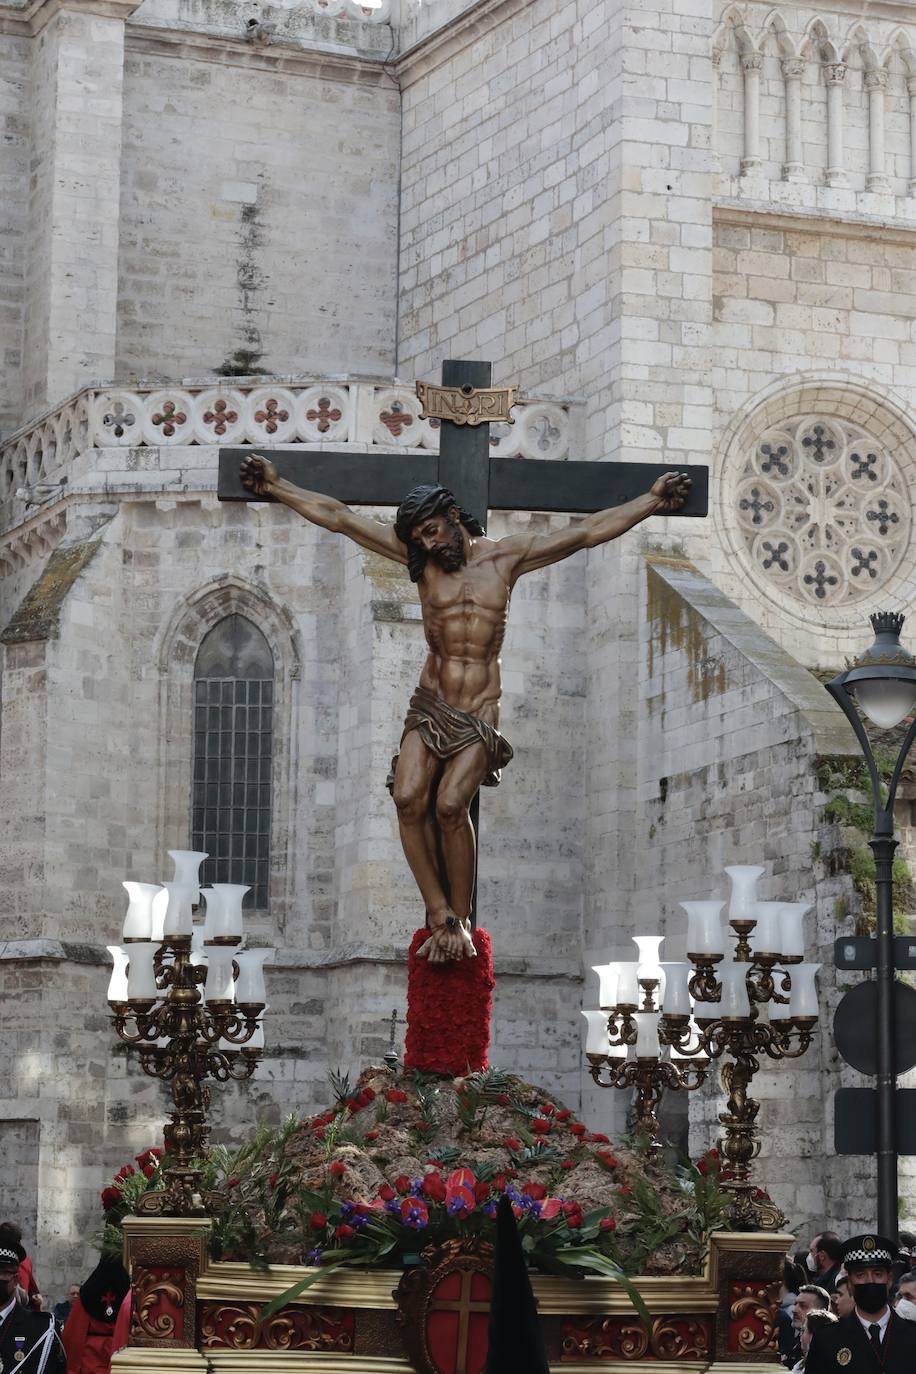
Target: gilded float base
{"type": "Point", "coordinates": [134, 1359]}
{"type": "Point", "coordinates": [317, 1362]}
{"type": "Point", "coordinates": [742, 1367]}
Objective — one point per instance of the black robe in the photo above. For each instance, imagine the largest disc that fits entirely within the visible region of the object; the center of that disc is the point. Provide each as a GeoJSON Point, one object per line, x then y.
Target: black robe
{"type": "Point", "coordinates": [828, 1344]}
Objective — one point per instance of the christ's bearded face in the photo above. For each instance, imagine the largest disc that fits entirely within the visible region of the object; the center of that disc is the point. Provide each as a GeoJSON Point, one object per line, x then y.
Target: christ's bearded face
{"type": "Point", "coordinates": [441, 539]}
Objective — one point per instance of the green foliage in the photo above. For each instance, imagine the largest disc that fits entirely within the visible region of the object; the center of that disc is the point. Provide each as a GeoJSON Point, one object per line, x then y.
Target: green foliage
{"type": "Point", "coordinates": [340, 1086]}
{"type": "Point", "coordinates": [850, 804]}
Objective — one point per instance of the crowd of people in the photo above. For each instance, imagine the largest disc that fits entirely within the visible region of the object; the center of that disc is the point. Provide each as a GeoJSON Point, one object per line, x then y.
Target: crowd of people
{"type": "Point", "coordinates": [849, 1306]}
{"type": "Point", "coordinates": [79, 1335]}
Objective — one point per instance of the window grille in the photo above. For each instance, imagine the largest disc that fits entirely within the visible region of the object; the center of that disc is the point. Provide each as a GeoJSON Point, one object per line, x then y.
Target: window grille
{"type": "Point", "coordinates": [233, 748]}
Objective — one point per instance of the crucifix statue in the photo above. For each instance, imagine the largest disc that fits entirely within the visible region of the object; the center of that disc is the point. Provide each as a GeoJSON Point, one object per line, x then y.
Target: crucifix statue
{"type": "Point", "coordinates": [451, 743]}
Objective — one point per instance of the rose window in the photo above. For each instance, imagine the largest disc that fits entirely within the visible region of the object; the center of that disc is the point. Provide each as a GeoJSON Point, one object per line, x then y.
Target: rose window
{"type": "Point", "coordinates": [823, 511]}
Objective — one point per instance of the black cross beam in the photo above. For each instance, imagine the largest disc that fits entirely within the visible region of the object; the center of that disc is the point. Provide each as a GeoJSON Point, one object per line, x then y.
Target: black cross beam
{"type": "Point", "coordinates": [480, 482]}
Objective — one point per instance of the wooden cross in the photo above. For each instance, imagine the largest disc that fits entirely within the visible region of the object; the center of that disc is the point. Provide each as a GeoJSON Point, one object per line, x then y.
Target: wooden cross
{"type": "Point", "coordinates": [480, 482]}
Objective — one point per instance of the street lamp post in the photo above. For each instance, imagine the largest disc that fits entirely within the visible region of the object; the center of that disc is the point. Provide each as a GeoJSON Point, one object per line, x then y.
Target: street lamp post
{"type": "Point", "coordinates": [882, 682]}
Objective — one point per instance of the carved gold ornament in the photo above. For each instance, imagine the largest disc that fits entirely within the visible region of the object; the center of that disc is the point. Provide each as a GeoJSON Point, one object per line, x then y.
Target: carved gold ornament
{"type": "Point", "coordinates": [467, 405]}
{"type": "Point", "coordinates": [844, 1356]}
{"type": "Point", "coordinates": [151, 1289]}
{"type": "Point", "coordinates": [754, 1303]}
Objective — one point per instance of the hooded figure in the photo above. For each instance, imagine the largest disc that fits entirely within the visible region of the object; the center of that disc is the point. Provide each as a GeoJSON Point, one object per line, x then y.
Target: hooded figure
{"type": "Point", "coordinates": [516, 1344]}
{"type": "Point", "coordinates": [88, 1333]}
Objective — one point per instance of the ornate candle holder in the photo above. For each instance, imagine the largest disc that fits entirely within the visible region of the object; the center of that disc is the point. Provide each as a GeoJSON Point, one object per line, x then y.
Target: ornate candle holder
{"type": "Point", "coordinates": [157, 1008]}
{"type": "Point", "coordinates": [760, 1001]}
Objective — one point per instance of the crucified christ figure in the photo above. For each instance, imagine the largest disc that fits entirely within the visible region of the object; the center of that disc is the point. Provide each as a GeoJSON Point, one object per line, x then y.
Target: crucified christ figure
{"type": "Point", "coordinates": [451, 743]}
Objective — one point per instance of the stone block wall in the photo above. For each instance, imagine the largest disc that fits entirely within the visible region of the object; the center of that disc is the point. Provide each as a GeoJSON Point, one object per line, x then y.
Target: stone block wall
{"type": "Point", "coordinates": [257, 235]}
{"type": "Point", "coordinates": [14, 176]}
{"type": "Point", "coordinates": [730, 738]}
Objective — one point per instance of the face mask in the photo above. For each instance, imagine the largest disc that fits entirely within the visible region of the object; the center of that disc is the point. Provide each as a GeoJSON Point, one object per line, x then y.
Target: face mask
{"type": "Point", "coordinates": [811, 1263]}
{"type": "Point", "coordinates": [870, 1297]}
{"type": "Point", "coordinates": [906, 1309]}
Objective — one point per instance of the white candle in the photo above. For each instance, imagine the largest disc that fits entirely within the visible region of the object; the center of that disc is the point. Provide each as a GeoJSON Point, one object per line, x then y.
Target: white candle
{"type": "Point", "coordinates": [704, 927]}
{"type": "Point", "coordinates": [791, 929]}
{"type": "Point", "coordinates": [676, 1001]}
{"type": "Point", "coordinates": [766, 936]}
{"type": "Point", "coordinates": [627, 984]}
{"type": "Point", "coordinates": [250, 985]}
{"type": "Point", "coordinates": [803, 997]}
{"type": "Point", "coordinates": [220, 984]}
{"type": "Point", "coordinates": [138, 920]}
{"type": "Point", "coordinates": [648, 965]}
{"type": "Point", "coordinates": [607, 984]}
{"type": "Point", "coordinates": [117, 984]}
{"type": "Point", "coordinates": [141, 976]}
{"type": "Point", "coordinates": [224, 910]}
{"type": "Point", "coordinates": [734, 1001]}
{"type": "Point", "coordinates": [647, 1042]}
{"type": "Point", "coordinates": [596, 1036]}
{"type": "Point", "coordinates": [178, 918]}
{"type": "Point", "coordinates": [187, 869]}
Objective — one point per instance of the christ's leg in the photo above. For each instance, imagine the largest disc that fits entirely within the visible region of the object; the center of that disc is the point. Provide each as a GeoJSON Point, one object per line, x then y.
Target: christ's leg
{"type": "Point", "coordinates": [414, 779]}
{"type": "Point", "coordinates": [460, 779]}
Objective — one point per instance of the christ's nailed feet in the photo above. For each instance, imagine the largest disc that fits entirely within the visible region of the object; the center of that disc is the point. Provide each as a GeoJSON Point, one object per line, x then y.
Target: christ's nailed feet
{"type": "Point", "coordinates": [448, 942]}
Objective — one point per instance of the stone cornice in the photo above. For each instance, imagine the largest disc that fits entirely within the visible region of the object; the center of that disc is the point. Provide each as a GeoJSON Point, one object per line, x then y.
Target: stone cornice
{"type": "Point", "coordinates": [813, 222]}
{"type": "Point", "coordinates": [346, 956]}
{"type": "Point", "coordinates": [235, 52]}
{"type": "Point", "coordinates": [437, 47]}
{"type": "Point", "coordinates": [31, 18]}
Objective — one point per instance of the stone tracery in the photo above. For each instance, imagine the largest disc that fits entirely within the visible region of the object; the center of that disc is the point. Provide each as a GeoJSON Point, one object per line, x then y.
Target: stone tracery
{"type": "Point", "coordinates": [822, 510]}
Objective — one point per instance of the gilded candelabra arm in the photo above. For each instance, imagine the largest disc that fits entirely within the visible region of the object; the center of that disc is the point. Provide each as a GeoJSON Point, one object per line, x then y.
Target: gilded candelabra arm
{"type": "Point", "coordinates": [704, 985]}
{"type": "Point", "coordinates": [621, 1028]}
{"type": "Point", "coordinates": [614, 1071]}
{"type": "Point", "coordinates": [224, 1065]}
{"type": "Point", "coordinates": [690, 1076]}
{"type": "Point", "coordinates": [146, 1021]}
{"type": "Point", "coordinates": [157, 1062]}
{"type": "Point", "coordinates": [778, 1040]}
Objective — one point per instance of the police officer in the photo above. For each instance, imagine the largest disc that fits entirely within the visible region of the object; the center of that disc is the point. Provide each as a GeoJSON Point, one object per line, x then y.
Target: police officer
{"type": "Point", "coordinates": [28, 1339]}
{"type": "Point", "coordinates": [872, 1339]}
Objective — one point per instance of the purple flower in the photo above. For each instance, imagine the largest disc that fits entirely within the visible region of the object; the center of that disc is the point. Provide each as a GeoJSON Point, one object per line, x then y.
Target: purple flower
{"type": "Point", "coordinates": [415, 1188]}
{"type": "Point", "coordinates": [489, 1208]}
{"type": "Point", "coordinates": [394, 1207]}
{"type": "Point", "coordinates": [346, 1210]}
{"type": "Point", "coordinates": [358, 1221]}
{"type": "Point", "coordinates": [455, 1205]}
{"type": "Point", "coordinates": [314, 1256]}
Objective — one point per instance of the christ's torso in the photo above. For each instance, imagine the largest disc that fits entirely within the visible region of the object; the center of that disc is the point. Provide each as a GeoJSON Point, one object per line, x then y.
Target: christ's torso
{"type": "Point", "coordinates": [464, 616]}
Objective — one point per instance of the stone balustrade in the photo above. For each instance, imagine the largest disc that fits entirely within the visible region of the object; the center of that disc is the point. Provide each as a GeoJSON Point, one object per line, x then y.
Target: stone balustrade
{"type": "Point", "coordinates": [301, 412]}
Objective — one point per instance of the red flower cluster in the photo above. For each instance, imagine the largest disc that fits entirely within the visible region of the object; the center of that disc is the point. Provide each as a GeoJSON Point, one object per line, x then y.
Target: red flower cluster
{"type": "Point", "coordinates": [540, 1126]}
{"type": "Point", "coordinates": [573, 1214]}
{"type": "Point", "coordinates": [607, 1159]}
{"type": "Point", "coordinates": [395, 1095]}
{"type": "Point", "coordinates": [337, 1170]}
{"type": "Point", "coordinates": [148, 1162]}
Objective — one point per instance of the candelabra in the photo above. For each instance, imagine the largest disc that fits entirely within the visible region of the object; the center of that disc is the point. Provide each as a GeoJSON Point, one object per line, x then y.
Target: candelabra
{"type": "Point", "coordinates": [762, 1000]}
{"type": "Point", "coordinates": [155, 997]}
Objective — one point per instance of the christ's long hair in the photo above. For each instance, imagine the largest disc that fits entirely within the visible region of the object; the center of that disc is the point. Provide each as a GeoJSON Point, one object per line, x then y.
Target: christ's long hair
{"type": "Point", "coordinates": [423, 503]}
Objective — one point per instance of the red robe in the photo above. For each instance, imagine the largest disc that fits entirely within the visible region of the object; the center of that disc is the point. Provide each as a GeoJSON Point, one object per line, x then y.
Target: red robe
{"type": "Point", "coordinates": [87, 1342]}
{"type": "Point", "coordinates": [28, 1281]}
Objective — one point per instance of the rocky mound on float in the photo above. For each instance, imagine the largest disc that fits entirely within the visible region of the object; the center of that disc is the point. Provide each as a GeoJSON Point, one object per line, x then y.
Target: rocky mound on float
{"type": "Point", "coordinates": [402, 1161]}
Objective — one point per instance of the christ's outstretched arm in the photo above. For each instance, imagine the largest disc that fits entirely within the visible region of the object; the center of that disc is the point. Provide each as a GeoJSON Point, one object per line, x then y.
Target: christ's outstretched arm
{"type": "Point", "coordinates": [260, 477]}
{"type": "Point", "coordinates": [666, 497]}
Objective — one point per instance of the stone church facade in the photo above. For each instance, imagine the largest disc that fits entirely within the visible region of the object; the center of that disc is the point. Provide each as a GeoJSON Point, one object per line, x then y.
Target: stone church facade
{"type": "Point", "coordinates": [687, 233]}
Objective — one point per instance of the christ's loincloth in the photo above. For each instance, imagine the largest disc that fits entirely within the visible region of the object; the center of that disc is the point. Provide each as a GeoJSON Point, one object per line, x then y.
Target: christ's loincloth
{"type": "Point", "coordinates": [446, 731]}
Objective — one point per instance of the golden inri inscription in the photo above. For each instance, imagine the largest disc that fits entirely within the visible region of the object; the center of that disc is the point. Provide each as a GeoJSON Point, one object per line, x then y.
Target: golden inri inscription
{"type": "Point", "coordinates": [467, 405]}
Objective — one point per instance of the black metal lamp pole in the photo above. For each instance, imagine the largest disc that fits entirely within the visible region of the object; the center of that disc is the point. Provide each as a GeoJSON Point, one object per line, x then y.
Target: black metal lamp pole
{"type": "Point", "coordinates": [883, 681]}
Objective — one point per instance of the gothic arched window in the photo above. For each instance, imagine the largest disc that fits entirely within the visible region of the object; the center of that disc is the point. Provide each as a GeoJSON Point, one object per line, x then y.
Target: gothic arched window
{"type": "Point", "coordinates": [233, 736]}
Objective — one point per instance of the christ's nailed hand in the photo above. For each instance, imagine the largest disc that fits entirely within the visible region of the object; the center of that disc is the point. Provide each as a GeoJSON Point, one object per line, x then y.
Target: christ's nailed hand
{"type": "Point", "coordinates": [671, 491]}
{"type": "Point", "coordinates": [258, 475]}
